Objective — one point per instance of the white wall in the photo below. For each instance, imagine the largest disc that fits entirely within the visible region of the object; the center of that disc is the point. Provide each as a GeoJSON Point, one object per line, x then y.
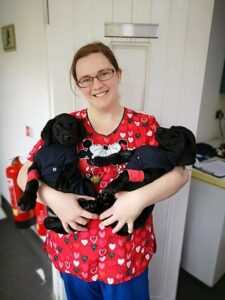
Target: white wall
{"type": "Point", "coordinates": [23, 81]}
{"type": "Point", "coordinates": [208, 126]}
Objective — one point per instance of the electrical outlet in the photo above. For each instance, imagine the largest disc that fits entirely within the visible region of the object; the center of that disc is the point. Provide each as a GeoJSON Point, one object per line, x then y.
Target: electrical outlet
{"type": "Point", "coordinates": [28, 131]}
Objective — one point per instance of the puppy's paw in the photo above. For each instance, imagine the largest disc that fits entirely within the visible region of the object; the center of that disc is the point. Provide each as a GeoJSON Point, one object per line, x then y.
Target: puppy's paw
{"type": "Point", "coordinates": [105, 200]}
{"type": "Point", "coordinates": [27, 201]}
{"type": "Point", "coordinates": [63, 185]}
{"type": "Point", "coordinates": [99, 161]}
{"type": "Point", "coordinates": [89, 205]}
{"type": "Point", "coordinates": [54, 224]}
{"type": "Point", "coordinates": [108, 194]}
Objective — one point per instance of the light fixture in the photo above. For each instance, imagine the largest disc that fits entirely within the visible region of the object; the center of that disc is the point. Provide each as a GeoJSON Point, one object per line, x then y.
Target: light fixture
{"type": "Point", "coordinates": [131, 30]}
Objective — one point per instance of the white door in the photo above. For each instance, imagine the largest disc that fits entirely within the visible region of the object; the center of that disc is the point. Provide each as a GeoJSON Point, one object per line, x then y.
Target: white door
{"type": "Point", "coordinates": [134, 88]}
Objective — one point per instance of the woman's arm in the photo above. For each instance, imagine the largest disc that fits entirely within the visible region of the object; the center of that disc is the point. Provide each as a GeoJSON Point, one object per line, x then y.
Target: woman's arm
{"type": "Point", "coordinates": [22, 176]}
{"type": "Point", "coordinates": [64, 205]}
{"type": "Point", "coordinates": [129, 205]}
{"type": "Point", "coordinates": [164, 187]}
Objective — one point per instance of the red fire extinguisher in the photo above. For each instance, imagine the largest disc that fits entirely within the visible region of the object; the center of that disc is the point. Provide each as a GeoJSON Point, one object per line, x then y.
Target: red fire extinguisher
{"type": "Point", "coordinates": [41, 214]}
{"type": "Point", "coordinates": [22, 219]}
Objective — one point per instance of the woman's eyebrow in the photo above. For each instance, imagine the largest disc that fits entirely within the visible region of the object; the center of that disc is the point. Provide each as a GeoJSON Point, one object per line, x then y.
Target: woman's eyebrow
{"type": "Point", "coordinates": [95, 73]}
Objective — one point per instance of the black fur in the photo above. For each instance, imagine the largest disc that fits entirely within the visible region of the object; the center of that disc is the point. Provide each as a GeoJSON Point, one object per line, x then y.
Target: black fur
{"type": "Point", "coordinates": [60, 135]}
{"type": "Point", "coordinates": [176, 148]}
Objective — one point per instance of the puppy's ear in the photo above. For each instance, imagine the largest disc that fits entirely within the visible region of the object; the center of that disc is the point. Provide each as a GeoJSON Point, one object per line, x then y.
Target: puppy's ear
{"type": "Point", "coordinates": [191, 148]}
{"type": "Point", "coordinates": [189, 152]}
{"type": "Point", "coordinates": [81, 130]}
{"type": "Point", "coordinates": [46, 133]}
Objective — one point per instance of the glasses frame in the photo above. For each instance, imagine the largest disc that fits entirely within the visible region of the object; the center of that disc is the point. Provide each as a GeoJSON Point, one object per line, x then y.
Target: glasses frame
{"type": "Point", "coordinates": [96, 76]}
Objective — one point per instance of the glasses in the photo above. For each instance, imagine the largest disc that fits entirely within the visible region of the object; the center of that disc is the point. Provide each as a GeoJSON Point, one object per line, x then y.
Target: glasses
{"type": "Point", "coordinates": [102, 75]}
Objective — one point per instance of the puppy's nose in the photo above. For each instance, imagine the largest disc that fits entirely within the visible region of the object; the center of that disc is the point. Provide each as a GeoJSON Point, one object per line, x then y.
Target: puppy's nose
{"type": "Point", "coordinates": [67, 138]}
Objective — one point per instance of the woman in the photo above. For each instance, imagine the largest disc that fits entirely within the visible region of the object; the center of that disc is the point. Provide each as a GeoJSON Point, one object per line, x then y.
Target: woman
{"type": "Point", "coordinates": [95, 262]}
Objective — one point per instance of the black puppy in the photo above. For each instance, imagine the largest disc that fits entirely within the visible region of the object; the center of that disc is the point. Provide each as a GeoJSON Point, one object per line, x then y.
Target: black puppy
{"type": "Point", "coordinates": [56, 164]}
{"type": "Point", "coordinates": [176, 148]}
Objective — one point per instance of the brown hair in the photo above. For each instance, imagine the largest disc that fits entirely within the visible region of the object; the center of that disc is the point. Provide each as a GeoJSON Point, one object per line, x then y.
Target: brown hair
{"type": "Point", "coordinates": [96, 47]}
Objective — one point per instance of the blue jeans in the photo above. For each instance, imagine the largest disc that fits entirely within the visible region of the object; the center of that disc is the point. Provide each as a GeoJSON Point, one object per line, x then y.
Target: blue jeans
{"type": "Point", "coordinates": [134, 289]}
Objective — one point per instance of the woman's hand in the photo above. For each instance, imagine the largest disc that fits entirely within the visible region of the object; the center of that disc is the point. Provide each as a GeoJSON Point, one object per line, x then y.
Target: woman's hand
{"type": "Point", "coordinates": [67, 208]}
{"type": "Point", "coordinates": [71, 214]}
{"type": "Point", "coordinates": [64, 205]}
{"type": "Point", "coordinates": [129, 205]}
{"type": "Point", "coordinates": [126, 209]}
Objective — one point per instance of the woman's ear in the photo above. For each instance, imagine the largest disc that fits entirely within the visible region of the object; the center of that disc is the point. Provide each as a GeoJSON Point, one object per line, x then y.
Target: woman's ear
{"type": "Point", "coordinates": [119, 74]}
{"type": "Point", "coordinates": [46, 133]}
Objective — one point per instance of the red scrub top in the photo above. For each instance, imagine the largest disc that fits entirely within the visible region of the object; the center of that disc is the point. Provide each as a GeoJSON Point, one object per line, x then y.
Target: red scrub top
{"type": "Point", "coordinates": [99, 254]}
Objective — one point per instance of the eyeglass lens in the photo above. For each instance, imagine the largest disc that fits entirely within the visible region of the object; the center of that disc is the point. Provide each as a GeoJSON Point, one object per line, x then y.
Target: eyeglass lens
{"type": "Point", "coordinates": [102, 75]}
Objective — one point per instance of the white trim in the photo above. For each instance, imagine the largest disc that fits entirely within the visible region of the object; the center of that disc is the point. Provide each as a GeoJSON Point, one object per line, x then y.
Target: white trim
{"type": "Point", "coordinates": [58, 285]}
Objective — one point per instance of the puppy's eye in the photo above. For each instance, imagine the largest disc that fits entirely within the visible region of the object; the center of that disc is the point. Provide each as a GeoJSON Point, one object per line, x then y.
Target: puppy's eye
{"type": "Point", "coordinates": [58, 126]}
{"type": "Point", "coordinates": [73, 125]}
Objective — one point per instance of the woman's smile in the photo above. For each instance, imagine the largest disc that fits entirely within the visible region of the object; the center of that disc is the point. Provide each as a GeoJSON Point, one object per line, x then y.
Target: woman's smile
{"type": "Point", "coordinates": [101, 94]}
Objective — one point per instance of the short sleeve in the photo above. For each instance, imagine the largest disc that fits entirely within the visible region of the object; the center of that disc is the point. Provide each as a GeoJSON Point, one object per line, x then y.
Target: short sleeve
{"type": "Point", "coordinates": [151, 130]}
{"type": "Point", "coordinates": [34, 150]}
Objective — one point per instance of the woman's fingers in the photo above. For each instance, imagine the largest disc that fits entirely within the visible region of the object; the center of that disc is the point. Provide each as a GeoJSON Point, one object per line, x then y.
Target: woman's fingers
{"type": "Point", "coordinates": [73, 226]}
{"type": "Point", "coordinates": [86, 214]}
{"type": "Point", "coordinates": [106, 214]}
{"type": "Point", "coordinates": [82, 221]}
{"type": "Point", "coordinates": [78, 227]}
{"type": "Point", "coordinates": [66, 227]}
{"type": "Point", "coordinates": [85, 197]}
{"type": "Point", "coordinates": [119, 225]}
{"type": "Point", "coordinates": [130, 226]}
{"type": "Point", "coordinates": [108, 221]}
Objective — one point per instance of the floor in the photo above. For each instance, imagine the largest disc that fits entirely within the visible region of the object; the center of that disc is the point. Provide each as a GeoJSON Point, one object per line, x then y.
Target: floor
{"type": "Point", "coordinates": [190, 288]}
{"type": "Point", "coordinates": [23, 264]}
{"type": "Point", "coordinates": [25, 270]}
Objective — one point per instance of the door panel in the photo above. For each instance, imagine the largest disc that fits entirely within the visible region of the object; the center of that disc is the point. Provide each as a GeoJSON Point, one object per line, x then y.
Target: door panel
{"type": "Point", "coordinates": [133, 89]}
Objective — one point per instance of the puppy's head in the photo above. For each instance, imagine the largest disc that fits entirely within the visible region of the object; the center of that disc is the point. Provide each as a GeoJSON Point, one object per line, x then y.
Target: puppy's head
{"type": "Point", "coordinates": [179, 142]}
{"type": "Point", "coordinates": [64, 129]}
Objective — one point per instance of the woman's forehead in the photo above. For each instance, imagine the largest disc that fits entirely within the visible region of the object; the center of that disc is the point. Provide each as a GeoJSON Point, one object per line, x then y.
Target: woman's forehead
{"type": "Point", "coordinates": [91, 64]}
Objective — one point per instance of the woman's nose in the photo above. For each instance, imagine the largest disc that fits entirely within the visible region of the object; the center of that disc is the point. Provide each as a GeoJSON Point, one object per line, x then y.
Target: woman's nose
{"type": "Point", "coordinates": [97, 83]}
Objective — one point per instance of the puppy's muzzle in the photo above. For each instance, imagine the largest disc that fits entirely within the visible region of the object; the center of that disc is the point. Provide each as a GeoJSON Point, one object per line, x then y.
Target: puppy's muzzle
{"type": "Point", "coordinates": [67, 138]}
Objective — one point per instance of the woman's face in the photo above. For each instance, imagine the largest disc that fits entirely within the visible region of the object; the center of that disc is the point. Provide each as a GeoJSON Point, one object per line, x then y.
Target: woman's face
{"type": "Point", "coordinates": [100, 94]}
